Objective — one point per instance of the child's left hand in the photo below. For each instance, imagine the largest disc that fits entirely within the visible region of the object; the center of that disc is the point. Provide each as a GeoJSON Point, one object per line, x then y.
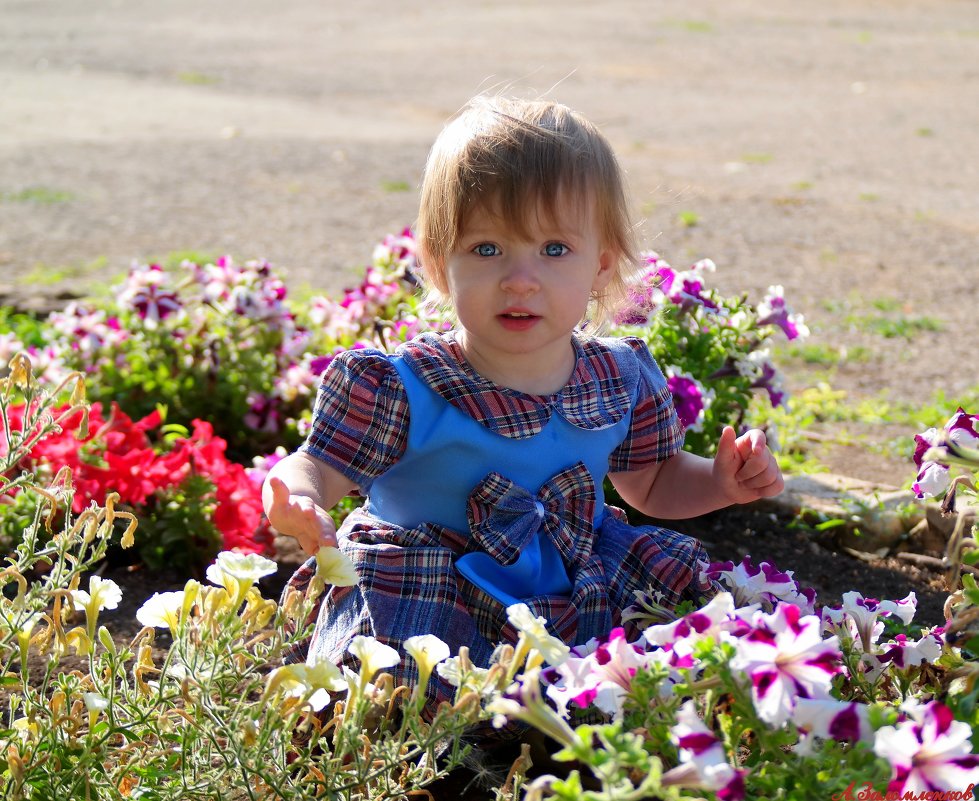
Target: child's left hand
{"type": "Point", "coordinates": [744, 468]}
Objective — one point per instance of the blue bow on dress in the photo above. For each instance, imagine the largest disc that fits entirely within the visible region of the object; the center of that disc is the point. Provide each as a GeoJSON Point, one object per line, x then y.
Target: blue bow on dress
{"type": "Point", "coordinates": [503, 516]}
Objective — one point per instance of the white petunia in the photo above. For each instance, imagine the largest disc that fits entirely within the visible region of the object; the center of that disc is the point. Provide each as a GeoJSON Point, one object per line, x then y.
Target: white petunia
{"type": "Point", "coordinates": [161, 610]}
{"type": "Point", "coordinates": [102, 594]}
{"type": "Point", "coordinates": [334, 567]}
{"type": "Point", "coordinates": [534, 630]}
{"type": "Point", "coordinates": [373, 655]}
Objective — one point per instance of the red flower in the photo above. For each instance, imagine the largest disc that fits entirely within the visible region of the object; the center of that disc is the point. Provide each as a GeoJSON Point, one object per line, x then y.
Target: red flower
{"type": "Point", "coordinates": [119, 457]}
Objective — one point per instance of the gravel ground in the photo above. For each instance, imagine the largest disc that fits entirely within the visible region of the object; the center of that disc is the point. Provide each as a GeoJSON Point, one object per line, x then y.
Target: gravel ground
{"type": "Point", "coordinates": [829, 147]}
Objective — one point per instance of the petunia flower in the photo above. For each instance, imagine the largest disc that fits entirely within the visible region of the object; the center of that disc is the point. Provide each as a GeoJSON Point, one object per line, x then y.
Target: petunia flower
{"type": "Point", "coordinates": [859, 616]}
{"type": "Point", "coordinates": [903, 654]}
{"type": "Point", "coordinates": [827, 718]}
{"type": "Point", "coordinates": [162, 610]}
{"type": "Point", "coordinates": [929, 752]}
{"type": "Point", "coordinates": [705, 622]}
{"type": "Point", "coordinates": [690, 398]}
{"type": "Point", "coordinates": [957, 437]}
{"type": "Point", "coordinates": [313, 680]}
{"type": "Point", "coordinates": [468, 679]}
{"type": "Point", "coordinates": [102, 594]}
{"type": "Point", "coordinates": [602, 677]}
{"type": "Point", "coordinates": [523, 701]}
{"type": "Point", "coordinates": [764, 584]}
{"type": "Point", "coordinates": [261, 465]}
{"type": "Point", "coordinates": [96, 704]}
{"type": "Point", "coordinates": [373, 655]}
{"type": "Point", "coordinates": [785, 658]}
{"type": "Point", "coordinates": [533, 630]}
{"type": "Point", "coordinates": [334, 567]}
{"type": "Point", "coordinates": [236, 572]}
{"type": "Point", "coordinates": [932, 480]}
{"type": "Point", "coordinates": [428, 651]}
{"type": "Point", "coordinates": [703, 762]}
{"type": "Point", "coordinates": [772, 310]}
{"type": "Point", "coordinates": [145, 292]}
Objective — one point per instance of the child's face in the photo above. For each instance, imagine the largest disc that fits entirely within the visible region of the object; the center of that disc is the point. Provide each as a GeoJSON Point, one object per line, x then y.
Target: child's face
{"type": "Point", "coordinates": [518, 298]}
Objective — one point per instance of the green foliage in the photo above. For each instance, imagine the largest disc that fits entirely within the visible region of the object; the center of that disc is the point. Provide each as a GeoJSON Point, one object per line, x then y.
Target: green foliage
{"type": "Point", "coordinates": [26, 328]}
{"type": "Point", "coordinates": [178, 531]}
{"type": "Point", "coordinates": [688, 219]}
{"type": "Point", "coordinates": [40, 195]}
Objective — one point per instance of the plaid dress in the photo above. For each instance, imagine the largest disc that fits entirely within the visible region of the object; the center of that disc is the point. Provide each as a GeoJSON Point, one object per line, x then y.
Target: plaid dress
{"type": "Point", "coordinates": [456, 468]}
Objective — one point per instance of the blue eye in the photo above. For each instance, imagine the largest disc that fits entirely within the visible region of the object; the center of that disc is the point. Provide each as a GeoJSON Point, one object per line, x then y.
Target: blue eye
{"type": "Point", "coordinates": [485, 249]}
{"type": "Point", "coordinates": [555, 249]}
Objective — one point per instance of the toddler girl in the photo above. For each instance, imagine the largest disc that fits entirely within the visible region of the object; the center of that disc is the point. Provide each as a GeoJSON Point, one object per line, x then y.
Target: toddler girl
{"type": "Point", "coordinates": [482, 452]}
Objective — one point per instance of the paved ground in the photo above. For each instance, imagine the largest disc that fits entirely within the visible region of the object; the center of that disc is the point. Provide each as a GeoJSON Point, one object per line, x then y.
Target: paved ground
{"type": "Point", "coordinates": [828, 146]}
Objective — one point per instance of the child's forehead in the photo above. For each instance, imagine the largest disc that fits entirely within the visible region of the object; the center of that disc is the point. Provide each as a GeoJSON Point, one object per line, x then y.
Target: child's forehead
{"type": "Point", "coordinates": [532, 214]}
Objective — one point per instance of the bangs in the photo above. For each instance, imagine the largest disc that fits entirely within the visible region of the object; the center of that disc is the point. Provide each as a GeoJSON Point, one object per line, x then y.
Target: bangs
{"type": "Point", "coordinates": [524, 174]}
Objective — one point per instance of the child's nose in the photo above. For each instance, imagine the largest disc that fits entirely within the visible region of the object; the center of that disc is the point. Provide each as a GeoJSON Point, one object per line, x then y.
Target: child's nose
{"type": "Point", "coordinates": [520, 277]}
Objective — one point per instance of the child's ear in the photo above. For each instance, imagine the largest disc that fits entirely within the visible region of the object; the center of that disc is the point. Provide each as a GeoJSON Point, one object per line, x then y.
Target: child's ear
{"type": "Point", "coordinates": [608, 263]}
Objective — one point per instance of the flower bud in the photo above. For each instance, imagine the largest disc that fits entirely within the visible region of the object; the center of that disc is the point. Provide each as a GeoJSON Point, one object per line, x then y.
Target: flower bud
{"type": "Point", "coordinates": [106, 639]}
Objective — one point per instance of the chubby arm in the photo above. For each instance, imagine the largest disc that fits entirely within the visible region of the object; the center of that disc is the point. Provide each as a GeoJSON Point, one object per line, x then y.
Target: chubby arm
{"type": "Point", "coordinates": [297, 495]}
{"type": "Point", "coordinates": [686, 485]}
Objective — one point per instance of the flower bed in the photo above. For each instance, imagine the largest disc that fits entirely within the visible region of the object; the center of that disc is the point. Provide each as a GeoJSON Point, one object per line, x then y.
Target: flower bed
{"type": "Point", "coordinates": [761, 693]}
{"type": "Point", "coordinates": [218, 369]}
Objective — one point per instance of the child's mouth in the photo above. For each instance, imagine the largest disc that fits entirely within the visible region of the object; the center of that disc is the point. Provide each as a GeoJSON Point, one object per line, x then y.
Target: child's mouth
{"type": "Point", "coordinates": [517, 320]}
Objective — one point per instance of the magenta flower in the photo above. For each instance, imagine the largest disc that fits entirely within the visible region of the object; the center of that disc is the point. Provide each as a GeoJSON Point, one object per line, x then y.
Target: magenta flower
{"type": "Point", "coordinates": [933, 480]}
{"type": "Point", "coordinates": [85, 330]}
{"type": "Point", "coordinates": [145, 292]}
{"type": "Point", "coordinates": [930, 752]}
{"type": "Point", "coordinates": [857, 617]}
{"type": "Point", "coordinates": [785, 658]}
{"type": "Point", "coordinates": [958, 434]}
{"type": "Point", "coordinates": [903, 654]}
{"type": "Point", "coordinates": [398, 253]}
{"type": "Point", "coordinates": [773, 311]}
{"type": "Point", "coordinates": [765, 585]}
{"type": "Point", "coordinates": [690, 398]}
{"type": "Point", "coordinates": [297, 380]}
{"type": "Point", "coordinates": [759, 368]}
{"type": "Point", "coordinates": [263, 413]}
{"type": "Point", "coordinates": [601, 676]}
{"type": "Point", "coordinates": [718, 620]}
{"type": "Point", "coordinates": [703, 762]}
{"type": "Point", "coordinates": [261, 465]}
{"type": "Point", "coordinates": [827, 718]}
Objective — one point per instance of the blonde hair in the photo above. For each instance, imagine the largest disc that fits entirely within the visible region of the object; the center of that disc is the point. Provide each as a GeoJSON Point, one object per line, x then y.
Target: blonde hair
{"type": "Point", "coordinates": [516, 158]}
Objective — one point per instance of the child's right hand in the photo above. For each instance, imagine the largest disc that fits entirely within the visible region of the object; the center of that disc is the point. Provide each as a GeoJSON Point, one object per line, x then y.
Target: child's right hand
{"type": "Point", "coordinates": [299, 516]}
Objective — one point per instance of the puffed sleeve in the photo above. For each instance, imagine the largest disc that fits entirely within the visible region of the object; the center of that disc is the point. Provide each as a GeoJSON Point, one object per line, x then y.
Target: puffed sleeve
{"type": "Point", "coordinates": [655, 433]}
{"type": "Point", "coordinates": [360, 420]}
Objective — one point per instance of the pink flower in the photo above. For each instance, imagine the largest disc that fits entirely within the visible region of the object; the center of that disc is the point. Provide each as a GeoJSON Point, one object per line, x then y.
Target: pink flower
{"type": "Point", "coordinates": [903, 654]}
{"type": "Point", "coordinates": [958, 434]}
{"type": "Point", "coordinates": [827, 718]}
{"type": "Point", "coordinates": [145, 292]}
{"type": "Point", "coordinates": [933, 479]}
{"type": "Point", "coordinates": [690, 398]}
{"type": "Point", "coordinates": [602, 677]}
{"type": "Point", "coordinates": [930, 752]}
{"type": "Point", "coordinates": [764, 584]}
{"type": "Point", "coordinates": [773, 311]}
{"type": "Point", "coordinates": [703, 762]}
{"type": "Point", "coordinates": [858, 616]}
{"type": "Point", "coordinates": [785, 658]}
